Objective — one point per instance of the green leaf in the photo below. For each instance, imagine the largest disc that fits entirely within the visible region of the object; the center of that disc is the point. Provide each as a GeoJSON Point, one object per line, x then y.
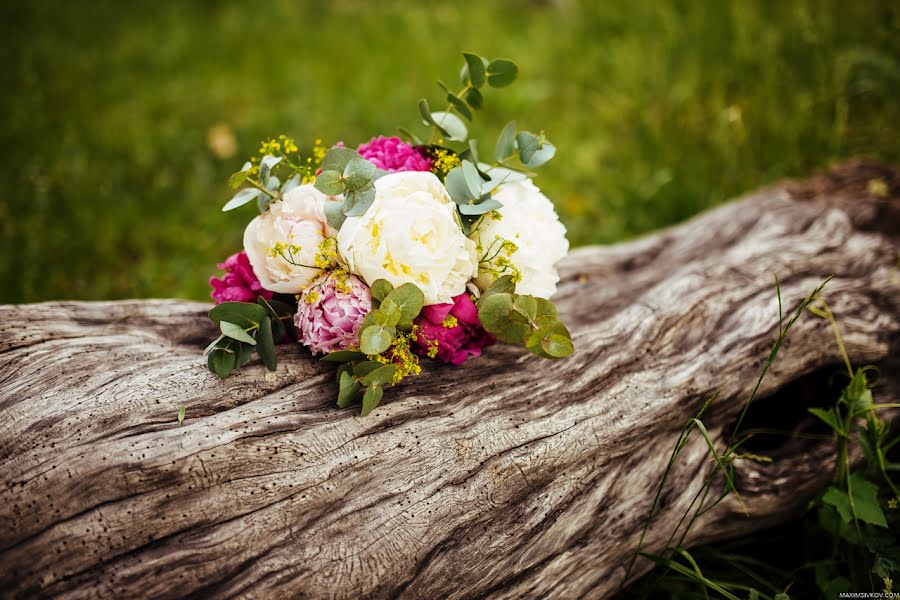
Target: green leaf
{"type": "Point", "coordinates": [865, 501]}
{"type": "Point", "coordinates": [410, 136]}
{"type": "Point", "coordinates": [501, 72]}
{"type": "Point", "coordinates": [533, 150]}
{"type": "Point", "coordinates": [380, 289]}
{"type": "Point", "coordinates": [243, 355]}
{"type": "Point", "coordinates": [551, 341]}
{"type": "Point", "coordinates": [265, 346]}
{"type": "Point", "coordinates": [343, 356]}
{"type": "Point", "coordinates": [375, 339]}
{"type": "Point", "coordinates": [485, 206]}
{"type": "Point", "coordinates": [364, 368]}
{"type": "Point", "coordinates": [213, 344]}
{"type": "Point", "coordinates": [526, 306]}
{"type": "Point", "coordinates": [357, 202]}
{"type": "Point", "coordinates": [410, 300]}
{"type": "Point", "coordinates": [381, 375]}
{"type": "Point", "coordinates": [495, 313]}
{"type": "Point", "coordinates": [236, 332]}
{"type": "Point", "coordinates": [221, 362]}
{"type": "Point", "coordinates": [475, 99]}
{"type": "Point", "coordinates": [460, 106]}
{"type": "Point", "coordinates": [348, 388]}
{"type": "Point", "coordinates": [371, 398]}
{"type": "Point", "coordinates": [181, 410]}
{"type": "Point", "coordinates": [451, 125]}
{"type": "Point", "coordinates": [473, 179]}
{"type": "Point", "coordinates": [501, 285]}
{"type": "Point", "coordinates": [782, 596]}
{"type": "Point", "coordinates": [546, 312]}
{"type": "Point", "coordinates": [238, 179]}
{"type": "Point", "coordinates": [278, 330]}
{"type": "Point", "coordinates": [334, 213]}
{"type": "Point", "coordinates": [246, 314]}
{"type": "Point", "coordinates": [358, 173]}
{"type": "Point", "coordinates": [241, 198]}
{"type": "Point", "coordinates": [455, 182]}
{"type": "Point", "coordinates": [290, 184]}
{"type": "Point", "coordinates": [425, 111]}
{"type": "Point", "coordinates": [336, 159]}
{"type": "Point", "coordinates": [828, 416]}
{"type": "Point", "coordinates": [388, 315]}
{"type": "Point", "coordinates": [265, 167]}
{"type": "Point", "coordinates": [475, 71]}
{"type": "Point", "coordinates": [330, 183]}
{"type": "Point", "coordinates": [506, 143]}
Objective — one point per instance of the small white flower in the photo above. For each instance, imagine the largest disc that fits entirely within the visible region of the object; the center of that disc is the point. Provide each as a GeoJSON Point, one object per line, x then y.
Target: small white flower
{"type": "Point", "coordinates": [528, 220]}
{"type": "Point", "coordinates": [282, 243]}
{"type": "Point", "coordinates": [410, 234]}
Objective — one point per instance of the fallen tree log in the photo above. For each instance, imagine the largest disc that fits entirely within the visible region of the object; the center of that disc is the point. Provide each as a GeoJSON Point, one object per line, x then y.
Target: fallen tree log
{"type": "Point", "coordinates": [511, 477]}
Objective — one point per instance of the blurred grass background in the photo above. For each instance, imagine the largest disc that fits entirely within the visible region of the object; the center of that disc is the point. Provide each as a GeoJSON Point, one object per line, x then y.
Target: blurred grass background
{"type": "Point", "coordinates": [111, 188]}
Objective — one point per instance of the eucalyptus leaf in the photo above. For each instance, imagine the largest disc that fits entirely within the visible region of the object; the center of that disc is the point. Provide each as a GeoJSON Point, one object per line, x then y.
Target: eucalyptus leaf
{"type": "Point", "coordinates": [501, 72]}
{"type": "Point", "coordinates": [221, 362]}
{"type": "Point", "coordinates": [475, 99]}
{"type": "Point", "coordinates": [425, 111]}
{"type": "Point", "coordinates": [343, 356]}
{"type": "Point", "coordinates": [388, 314]}
{"type": "Point", "coordinates": [213, 344]}
{"type": "Point", "coordinates": [381, 375]}
{"type": "Point", "coordinates": [334, 213]}
{"type": "Point", "coordinates": [375, 339]}
{"type": "Point", "coordinates": [526, 306]}
{"type": "Point", "coordinates": [291, 183]}
{"type": "Point", "coordinates": [380, 289]}
{"type": "Point", "coordinates": [552, 341]}
{"type": "Point", "coordinates": [357, 202]}
{"type": "Point", "coordinates": [475, 73]}
{"type": "Point", "coordinates": [528, 144]}
{"type": "Point", "coordinates": [265, 346]}
{"type": "Point", "coordinates": [278, 329]}
{"type": "Point", "coordinates": [347, 390]}
{"type": "Point", "coordinates": [241, 198]}
{"type": "Point", "coordinates": [495, 313]}
{"type": "Point", "coordinates": [456, 185]}
{"type": "Point", "coordinates": [473, 179]}
{"type": "Point", "coordinates": [541, 155]}
{"type": "Point", "coordinates": [336, 158]}
{"type": "Point", "coordinates": [364, 368]}
{"type": "Point", "coordinates": [371, 398]}
{"type": "Point", "coordinates": [236, 332]}
{"type": "Point", "coordinates": [460, 106]}
{"type": "Point", "coordinates": [266, 165]}
{"type": "Point", "coordinates": [410, 300]}
{"type": "Point", "coordinates": [358, 173]}
{"type": "Point", "coordinates": [243, 355]}
{"type": "Point", "coordinates": [506, 143]}
{"type": "Point", "coordinates": [330, 183]}
{"type": "Point", "coordinates": [246, 314]}
{"type": "Point", "coordinates": [501, 285]}
{"type": "Point", "coordinates": [485, 206]}
{"type": "Point", "coordinates": [451, 125]}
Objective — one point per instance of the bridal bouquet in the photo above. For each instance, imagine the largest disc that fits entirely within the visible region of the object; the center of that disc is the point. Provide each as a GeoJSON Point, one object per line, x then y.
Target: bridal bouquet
{"type": "Point", "coordinates": [379, 257]}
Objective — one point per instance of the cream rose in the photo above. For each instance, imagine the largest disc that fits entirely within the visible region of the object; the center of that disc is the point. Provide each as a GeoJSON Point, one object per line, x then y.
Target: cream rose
{"type": "Point", "coordinates": [282, 243]}
{"type": "Point", "coordinates": [410, 234]}
{"type": "Point", "coordinates": [527, 237]}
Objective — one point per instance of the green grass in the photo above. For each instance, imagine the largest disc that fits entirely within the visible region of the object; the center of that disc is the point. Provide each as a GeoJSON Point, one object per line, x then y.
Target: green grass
{"type": "Point", "coordinates": [660, 109]}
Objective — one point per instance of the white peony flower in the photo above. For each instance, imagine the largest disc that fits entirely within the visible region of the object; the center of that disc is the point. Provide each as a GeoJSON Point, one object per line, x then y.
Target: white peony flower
{"type": "Point", "coordinates": [528, 238]}
{"type": "Point", "coordinates": [410, 234]}
{"type": "Point", "coordinates": [284, 242]}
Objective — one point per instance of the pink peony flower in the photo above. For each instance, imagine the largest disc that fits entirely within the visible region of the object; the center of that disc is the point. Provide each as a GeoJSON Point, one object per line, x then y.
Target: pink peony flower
{"type": "Point", "coordinates": [451, 333]}
{"type": "Point", "coordinates": [393, 154]}
{"type": "Point", "coordinates": [239, 284]}
{"type": "Point", "coordinates": [330, 312]}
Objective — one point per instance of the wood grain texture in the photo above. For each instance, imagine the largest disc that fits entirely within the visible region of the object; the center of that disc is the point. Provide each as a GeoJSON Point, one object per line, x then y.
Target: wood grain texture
{"type": "Point", "coordinates": [511, 477]}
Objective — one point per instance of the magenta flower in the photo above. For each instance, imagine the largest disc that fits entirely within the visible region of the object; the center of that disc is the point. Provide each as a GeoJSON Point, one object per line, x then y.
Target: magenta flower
{"type": "Point", "coordinates": [393, 154]}
{"type": "Point", "coordinates": [330, 312]}
{"type": "Point", "coordinates": [451, 333]}
{"type": "Point", "coordinates": [239, 284]}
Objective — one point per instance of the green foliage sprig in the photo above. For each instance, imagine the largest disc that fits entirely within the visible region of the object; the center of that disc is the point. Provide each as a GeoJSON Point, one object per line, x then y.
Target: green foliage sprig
{"type": "Point", "coordinates": [247, 327]}
{"type": "Point", "coordinates": [260, 181]}
{"type": "Point", "coordinates": [525, 320]}
{"type": "Point", "coordinates": [383, 357]}
{"type": "Point", "coordinates": [345, 171]}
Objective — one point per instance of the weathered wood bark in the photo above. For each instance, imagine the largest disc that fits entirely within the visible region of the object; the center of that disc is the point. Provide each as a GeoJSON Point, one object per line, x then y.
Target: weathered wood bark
{"type": "Point", "coordinates": [511, 477]}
